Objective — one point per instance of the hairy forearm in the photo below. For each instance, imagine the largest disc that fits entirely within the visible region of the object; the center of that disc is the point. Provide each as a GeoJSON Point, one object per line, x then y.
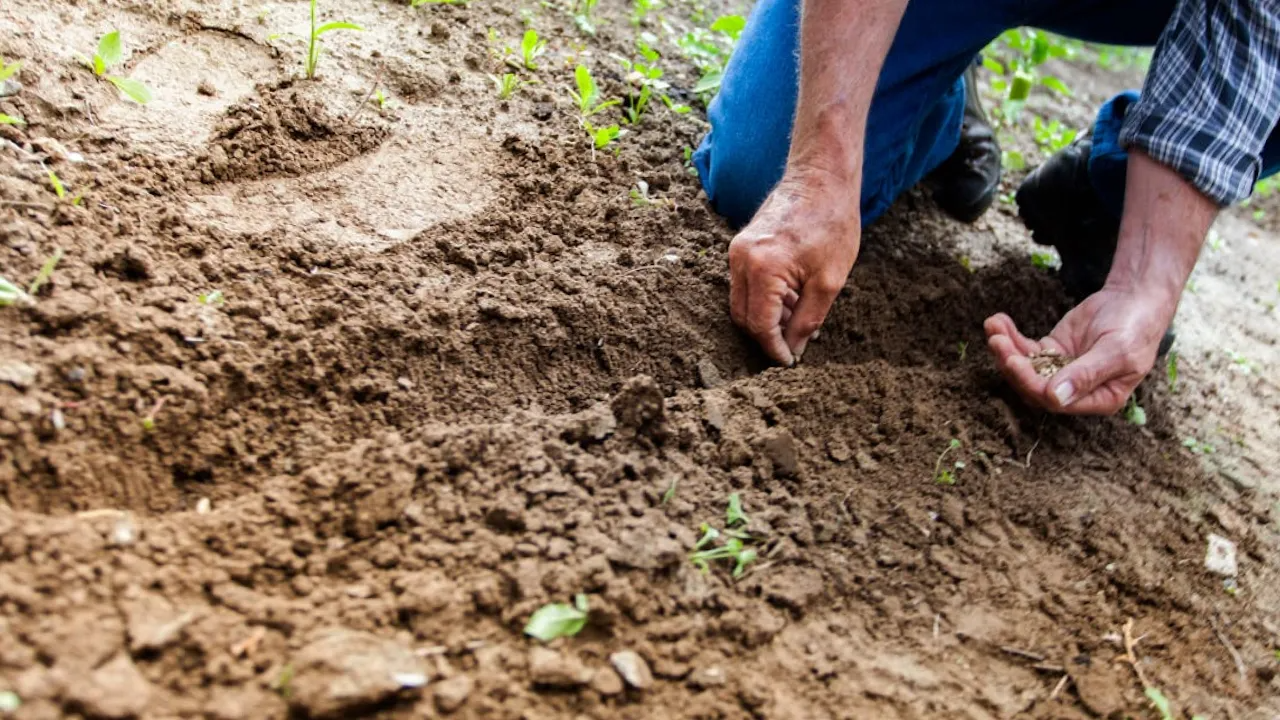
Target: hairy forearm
{"type": "Point", "coordinates": [1164, 226]}
{"type": "Point", "coordinates": [843, 47]}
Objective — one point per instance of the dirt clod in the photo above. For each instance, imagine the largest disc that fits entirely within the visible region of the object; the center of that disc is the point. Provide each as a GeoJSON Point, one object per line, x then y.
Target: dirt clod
{"type": "Point", "coordinates": [550, 669]}
{"type": "Point", "coordinates": [114, 691]}
{"type": "Point", "coordinates": [342, 671]}
{"type": "Point", "coordinates": [450, 694]}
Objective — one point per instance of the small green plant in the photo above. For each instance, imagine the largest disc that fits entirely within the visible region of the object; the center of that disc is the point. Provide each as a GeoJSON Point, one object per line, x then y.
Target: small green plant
{"type": "Point", "coordinates": [735, 537]}
{"type": "Point", "coordinates": [111, 53]}
{"type": "Point", "coordinates": [670, 494]}
{"type": "Point", "coordinates": [61, 190]}
{"type": "Point", "coordinates": [962, 348]}
{"type": "Point", "coordinates": [10, 120]}
{"type": "Point", "coordinates": [1171, 370]}
{"type": "Point", "coordinates": [1134, 414]}
{"type": "Point", "coordinates": [531, 48]}
{"type": "Point", "coordinates": [317, 31]}
{"type": "Point", "coordinates": [1160, 703]}
{"type": "Point", "coordinates": [11, 294]}
{"type": "Point", "coordinates": [380, 99]}
{"type": "Point", "coordinates": [947, 476]}
{"type": "Point", "coordinates": [640, 10]}
{"type": "Point", "coordinates": [283, 681]}
{"type": "Point", "coordinates": [508, 84]}
{"type": "Point", "coordinates": [1015, 57]}
{"type": "Point", "coordinates": [1052, 136]}
{"type": "Point", "coordinates": [733, 514]}
{"type": "Point", "coordinates": [46, 273]}
{"type": "Point", "coordinates": [558, 620]}
{"type": "Point", "coordinates": [709, 50]}
{"type": "Point", "coordinates": [587, 96]}
{"type": "Point", "coordinates": [1215, 242]}
{"type": "Point", "coordinates": [9, 69]}
{"type": "Point", "coordinates": [602, 138]}
{"type": "Point", "coordinates": [213, 298]}
{"type": "Point", "coordinates": [1198, 447]}
{"type": "Point", "coordinates": [1247, 366]}
{"type": "Point", "coordinates": [1045, 260]}
{"type": "Point", "coordinates": [582, 15]}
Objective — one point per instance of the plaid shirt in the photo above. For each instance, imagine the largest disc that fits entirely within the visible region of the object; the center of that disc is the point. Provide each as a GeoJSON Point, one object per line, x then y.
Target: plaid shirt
{"type": "Point", "coordinates": [1213, 95]}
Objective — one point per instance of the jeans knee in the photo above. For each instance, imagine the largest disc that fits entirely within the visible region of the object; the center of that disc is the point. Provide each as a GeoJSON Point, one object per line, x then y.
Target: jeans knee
{"type": "Point", "coordinates": [735, 176]}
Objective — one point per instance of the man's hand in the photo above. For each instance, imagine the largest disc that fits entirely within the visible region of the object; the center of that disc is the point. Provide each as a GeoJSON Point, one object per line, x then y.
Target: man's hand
{"type": "Point", "coordinates": [1114, 336]}
{"type": "Point", "coordinates": [1115, 333]}
{"type": "Point", "coordinates": [787, 267]}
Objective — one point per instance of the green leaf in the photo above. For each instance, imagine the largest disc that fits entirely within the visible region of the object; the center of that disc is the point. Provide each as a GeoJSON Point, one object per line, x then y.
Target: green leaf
{"type": "Point", "coordinates": [993, 65]}
{"type": "Point", "coordinates": [731, 25]}
{"type": "Point", "coordinates": [1135, 414]}
{"type": "Point", "coordinates": [1160, 702]}
{"type": "Point", "coordinates": [557, 620]}
{"type": "Point", "coordinates": [709, 83]}
{"type": "Point", "coordinates": [734, 514]}
{"type": "Point", "coordinates": [11, 294]}
{"type": "Point", "coordinates": [1021, 86]}
{"type": "Point", "coordinates": [587, 90]}
{"type": "Point", "coordinates": [1056, 85]}
{"type": "Point", "coordinates": [10, 120]}
{"type": "Point", "coordinates": [7, 71]}
{"type": "Point", "coordinates": [329, 27]}
{"type": "Point", "coordinates": [131, 89]}
{"type": "Point", "coordinates": [46, 272]}
{"type": "Point", "coordinates": [110, 51]}
{"type": "Point", "coordinates": [58, 188]}
{"type": "Point", "coordinates": [1039, 48]}
{"type": "Point", "coordinates": [99, 67]}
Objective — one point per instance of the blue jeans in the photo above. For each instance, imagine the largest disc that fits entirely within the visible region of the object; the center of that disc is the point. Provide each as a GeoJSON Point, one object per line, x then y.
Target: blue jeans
{"type": "Point", "coordinates": [914, 122]}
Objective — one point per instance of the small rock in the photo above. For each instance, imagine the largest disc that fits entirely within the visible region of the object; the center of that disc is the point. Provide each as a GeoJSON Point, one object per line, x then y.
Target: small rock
{"type": "Point", "coordinates": [1220, 557]}
{"type": "Point", "coordinates": [713, 410]}
{"type": "Point", "coordinates": [633, 669]}
{"type": "Point", "coordinates": [708, 374]}
{"type": "Point", "coordinates": [343, 670]}
{"type": "Point", "coordinates": [607, 682]}
{"type": "Point", "coordinates": [550, 669]}
{"type": "Point", "coordinates": [707, 677]}
{"type": "Point", "coordinates": [9, 88]}
{"type": "Point", "coordinates": [204, 506]}
{"type": "Point", "coordinates": [124, 532]}
{"type": "Point", "coordinates": [640, 406]}
{"type": "Point", "coordinates": [452, 693]}
{"type": "Point", "coordinates": [114, 691]}
{"type": "Point", "coordinates": [18, 374]}
{"type": "Point", "coordinates": [779, 445]}
{"type": "Point", "coordinates": [865, 461]}
{"type": "Point", "coordinates": [207, 89]}
{"type": "Point", "coordinates": [839, 451]}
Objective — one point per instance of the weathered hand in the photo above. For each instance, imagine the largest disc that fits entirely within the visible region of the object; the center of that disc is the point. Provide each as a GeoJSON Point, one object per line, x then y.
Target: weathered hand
{"type": "Point", "coordinates": [788, 265]}
{"type": "Point", "coordinates": [1113, 335]}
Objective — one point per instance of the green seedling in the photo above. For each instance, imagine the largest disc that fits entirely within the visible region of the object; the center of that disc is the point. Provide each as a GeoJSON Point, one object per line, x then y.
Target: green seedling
{"type": "Point", "coordinates": [582, 16]}
{"type": "Point", "coordinates": [733, 549]}
{"type": "Point", "coordinates": [640, 196]}
{"type": "Point", "coordinates": [1198, 447]}
{"type": "Point", "coordinates": [283, 682]}
{"type": "Point", "coordinates": [11, 294]}
{"type": "Point", "coordinates": [1015, 57]}
{"type": "Point", "coordinates": [1045, 260]}
{"type": "Point", "coordinates": [1171, 370]}
{"type": "Point", "coordinates": [640, 10]}
{"type": "Point", "coordinates": [1134, 414]}
{"type": "Point", "coordinates": [531, 48]}
{"type": "Point", "coordinates": [1012, 160]}
{"type": "Point", "coordinates": [313, 45]}
{"type": "Point", "coordinates": [8, 70]}
{"type": "Point", "coordinates": [45, 274]}
{"type": "Point", "coordinates": [947, 476]}
{"type": "Point", "coordinates": [61, 190]}
{"type": "Point", "coordinates": [558, 620]}
{"type": "Point", "coordinates": [111, 53]}
{"type": "Point", "coordinates": [1246, 365]}
{"type": "Point", "coordinates": [213, 298]}
{"type": "Point", "coordinates": [1052, 136]}
{"type": "Point", "coordinates": [733, 515]}
{"type": "Point", "coordinates": [709, 50]}
{"type": "Point", "coordinates": [670, 494]}
{"type": "Point", "coordinates": [1215, 242]}
{"type": "Point", "coordinates": [587, 96]}
{"type": "Point", "coordinates": [508, 84]}
{"type": "Point", "coordinates": [962, 348]}
{"type": "Point", "coordinates": [602, 138]}
{"type": "Point", "coordinates": [10, 120]}
{"type": "Point", "coordinates": [1160, 703]}
{"type": "Point", "coordinates": [380, 99]}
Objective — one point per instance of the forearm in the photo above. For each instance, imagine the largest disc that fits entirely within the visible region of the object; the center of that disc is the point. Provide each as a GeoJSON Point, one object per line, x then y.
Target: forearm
{"type": "Point", "coordinates": [843, 47]}
{"type": "Point", "coordinates": [1164, 226]}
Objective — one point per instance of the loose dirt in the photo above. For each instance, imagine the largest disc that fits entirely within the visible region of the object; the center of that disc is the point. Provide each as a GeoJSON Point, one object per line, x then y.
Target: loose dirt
{"type": "Point", "coordinates": [458, 373]}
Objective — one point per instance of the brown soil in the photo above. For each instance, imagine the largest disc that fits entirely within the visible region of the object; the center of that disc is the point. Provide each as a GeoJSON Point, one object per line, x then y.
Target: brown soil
{"type": "Point", "coordinates": [459, 374]}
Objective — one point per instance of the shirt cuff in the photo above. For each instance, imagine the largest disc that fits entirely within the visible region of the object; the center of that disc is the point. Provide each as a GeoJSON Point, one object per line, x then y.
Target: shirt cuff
{"type": "Point", "coordinates": [1203, 153]}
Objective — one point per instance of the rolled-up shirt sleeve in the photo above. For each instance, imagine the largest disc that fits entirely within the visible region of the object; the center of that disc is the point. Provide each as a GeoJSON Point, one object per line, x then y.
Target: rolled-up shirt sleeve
{"type": "Point", "coordinates": [1213, 95]}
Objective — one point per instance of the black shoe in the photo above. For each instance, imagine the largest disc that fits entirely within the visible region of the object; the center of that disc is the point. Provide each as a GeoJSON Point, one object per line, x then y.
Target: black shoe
{"type": "Point", "coordinates": [1060, 207]}
{"type": "Point", "coordinates": [965, 184]}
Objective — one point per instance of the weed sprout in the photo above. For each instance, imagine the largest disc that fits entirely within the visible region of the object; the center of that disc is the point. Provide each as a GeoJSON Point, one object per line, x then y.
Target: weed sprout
{"type": "Point", "coordinates": [587, 96]}
{"type": "Point", "coordinates": [46, 273]}
{"type": "Point", "coordinates": [558, 620]}
{"type": "Point", "coordinates": [709, 49]}
{"type": "Point", "coordinates": [507, 84]}
{"type": "Point", "coordinates": [946, 476]}
{"type": "Point", "coordinates": [582, 16]}
{"type": "Point", "coordinates": [531, 48]}
{"type": "Point", "coordinates": [313, 46]}
{"type": "Point", "coordinates": [111, 53]}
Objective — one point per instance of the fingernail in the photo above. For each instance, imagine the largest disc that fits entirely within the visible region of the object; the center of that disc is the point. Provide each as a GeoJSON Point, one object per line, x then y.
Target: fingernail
{"type": "Point", "coordinates": [1064, 393]}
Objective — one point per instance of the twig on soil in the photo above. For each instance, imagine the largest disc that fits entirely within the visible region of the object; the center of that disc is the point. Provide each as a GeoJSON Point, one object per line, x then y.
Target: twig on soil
{"type": "Point", "coordinates": [377, 79]}
{"type": "Point", "coordinates": [26, 205]}
{"type": "Point", "coordinates": [1130, 656]}
{"type": "Point", "coordinates": [247, 646]}
{"type": "Point", "coordinates": [1032, 450]}
{"type": "Point", "coordinates": [1024, 654]}
{"type": "Point", "coordinates": [1057, 689]}
{"type": "Point", "coordinates": [99, 513]}
{"type": "Point", "coordinates": [1235, 654]}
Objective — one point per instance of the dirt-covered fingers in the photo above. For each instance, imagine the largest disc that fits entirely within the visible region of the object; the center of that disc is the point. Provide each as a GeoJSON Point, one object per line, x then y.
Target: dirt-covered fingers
{"type": "Point", "coordinates": [811, 308]}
